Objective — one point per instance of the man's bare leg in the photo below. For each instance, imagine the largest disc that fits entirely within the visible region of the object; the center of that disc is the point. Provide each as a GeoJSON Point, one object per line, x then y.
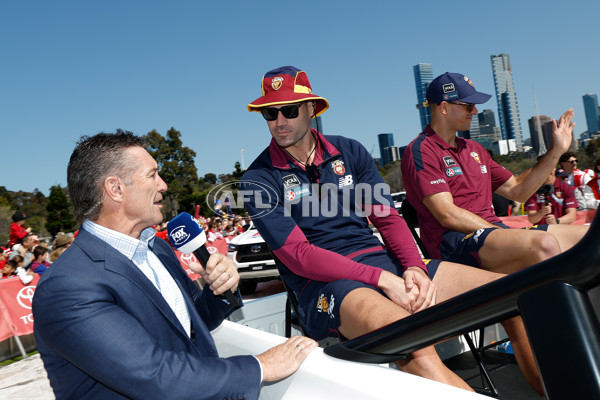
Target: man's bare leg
{"type": "Point", "coordinates": [518, 338]}
{"type": "Point", "coordinates": [364, 310]}
{"type": "Point", "coordinates": [568, 235]}
{"type": "Point", "coordinates": [511, 250]}
{"type": "Point", "coordinates": [450, 281]}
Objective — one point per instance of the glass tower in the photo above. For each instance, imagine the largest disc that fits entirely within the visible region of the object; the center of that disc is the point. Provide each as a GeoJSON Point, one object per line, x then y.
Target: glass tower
{"type": "Point", "coordinates": [423, 77]}
{"type": "Point", "coordinates": [590, 105]}
{"type": "Point", "coordinates": [385, 140]}
{"type": "Point", "coordinates": [506, 97]}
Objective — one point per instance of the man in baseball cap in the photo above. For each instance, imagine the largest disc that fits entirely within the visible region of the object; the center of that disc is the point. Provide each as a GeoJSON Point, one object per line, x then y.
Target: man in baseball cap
{"type": "Point", "coordinates": [450, 180]}
{"type": "Point", "coordinates": [305, 185]}
{"type": "Point", "coordinates": [453, 88]}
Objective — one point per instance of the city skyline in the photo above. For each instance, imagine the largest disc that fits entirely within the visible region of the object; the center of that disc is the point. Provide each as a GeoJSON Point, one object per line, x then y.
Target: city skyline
{"type": "Point", "coordinates": [77, 68]}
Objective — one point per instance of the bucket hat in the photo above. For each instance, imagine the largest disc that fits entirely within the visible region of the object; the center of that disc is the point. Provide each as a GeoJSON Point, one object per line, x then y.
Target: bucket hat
{"type": "Point", "coordinates": [286, 85]}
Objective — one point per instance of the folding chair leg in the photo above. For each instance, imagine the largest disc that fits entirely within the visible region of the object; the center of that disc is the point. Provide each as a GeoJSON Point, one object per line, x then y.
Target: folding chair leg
{"type": "Point", "coordinates": [482, 368]}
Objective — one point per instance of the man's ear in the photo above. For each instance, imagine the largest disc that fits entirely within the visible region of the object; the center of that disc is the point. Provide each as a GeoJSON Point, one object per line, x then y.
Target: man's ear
{"type": "Point", "coordinates": [443, 106]}
{"type": "Point", "coordinates": [112, 188]}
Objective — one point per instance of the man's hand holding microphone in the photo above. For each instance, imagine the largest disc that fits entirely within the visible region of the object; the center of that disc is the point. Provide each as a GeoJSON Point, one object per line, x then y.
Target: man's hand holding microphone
{"type": "Point", "coordinates": [222, 277]}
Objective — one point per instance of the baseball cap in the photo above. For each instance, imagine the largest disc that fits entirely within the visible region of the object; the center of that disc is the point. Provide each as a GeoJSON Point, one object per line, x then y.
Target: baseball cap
{"type": "Point", "coordinates": [286, 85]}
{"type": "Point", "coordinates": [452, 86]}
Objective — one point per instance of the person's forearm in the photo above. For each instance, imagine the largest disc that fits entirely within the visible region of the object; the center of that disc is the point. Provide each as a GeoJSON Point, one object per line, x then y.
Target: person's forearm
{"type": "Point", "coordinates": [535, 216]}
{"type": "Point", "coordinates": [569, 217]}
{"type": "Point", "coordinates": [461, 220]}
{"type": "Point", "coordinates": [531, 180]}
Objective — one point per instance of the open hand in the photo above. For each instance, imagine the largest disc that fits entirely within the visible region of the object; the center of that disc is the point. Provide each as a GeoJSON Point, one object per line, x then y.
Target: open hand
{"type": "Point", "coordinates": [281, 361]}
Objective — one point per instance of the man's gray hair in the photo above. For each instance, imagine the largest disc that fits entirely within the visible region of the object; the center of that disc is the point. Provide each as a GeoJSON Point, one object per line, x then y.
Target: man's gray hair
{"type": "Point", "coordinates": [94, 159]}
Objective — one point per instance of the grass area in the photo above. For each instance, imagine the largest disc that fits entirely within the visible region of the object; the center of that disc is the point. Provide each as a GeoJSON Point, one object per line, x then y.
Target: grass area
{"type": "Point", "coordinates": [14, 360]}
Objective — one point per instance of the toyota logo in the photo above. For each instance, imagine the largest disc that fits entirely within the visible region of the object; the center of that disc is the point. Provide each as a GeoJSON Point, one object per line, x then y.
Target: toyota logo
{"type": "Point", "coordinates": [256, 248]}
{"type": "Point", "coordinates": [25, 296]}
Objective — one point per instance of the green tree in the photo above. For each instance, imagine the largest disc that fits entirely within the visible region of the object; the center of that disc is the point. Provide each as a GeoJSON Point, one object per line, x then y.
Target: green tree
{"type": "Point", "coordinates": [237, 172]}
{"type": "Point", "coordinates": [592, 151]}
{"type": "Point", "coordinates": [175, 165]}
{"type": "Point", "coordinates": [60, 217]}
{"type": "Point", "coordinates": [392, 175]}
{"type": "Point", "coordinates": [5, 221]}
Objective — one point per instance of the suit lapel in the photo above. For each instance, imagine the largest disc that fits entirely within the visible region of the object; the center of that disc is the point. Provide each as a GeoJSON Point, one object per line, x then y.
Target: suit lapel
{"type": "Point", "coordinates": [114, 261]}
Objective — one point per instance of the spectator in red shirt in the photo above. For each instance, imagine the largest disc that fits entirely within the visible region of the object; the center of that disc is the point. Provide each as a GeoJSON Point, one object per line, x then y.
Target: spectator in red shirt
{"type": "Point", "coordinates": [553, 203]}
{"type": "Point", "coordinates": [17, 229]}
{"type": "Point", "coordinates": [594, 183]}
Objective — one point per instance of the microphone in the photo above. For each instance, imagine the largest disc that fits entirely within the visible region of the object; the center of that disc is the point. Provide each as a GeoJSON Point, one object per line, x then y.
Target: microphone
{"type": "Point", "coordinates": [188, 237]}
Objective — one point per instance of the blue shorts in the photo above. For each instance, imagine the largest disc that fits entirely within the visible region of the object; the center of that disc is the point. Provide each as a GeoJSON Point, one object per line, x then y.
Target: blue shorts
{"type": "Point", "coordinates": [464, 249]}
{"type": "Point", "coordinates": [319, 302]}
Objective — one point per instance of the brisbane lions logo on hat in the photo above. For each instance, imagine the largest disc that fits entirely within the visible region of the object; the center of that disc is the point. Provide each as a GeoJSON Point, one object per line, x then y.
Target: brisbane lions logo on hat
{"type": "Point", "coordinates": [277, 82]}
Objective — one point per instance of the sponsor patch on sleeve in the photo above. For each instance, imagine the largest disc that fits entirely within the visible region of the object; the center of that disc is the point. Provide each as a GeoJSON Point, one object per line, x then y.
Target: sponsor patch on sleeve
{"type": "Point", "coordinates": [453, 171]}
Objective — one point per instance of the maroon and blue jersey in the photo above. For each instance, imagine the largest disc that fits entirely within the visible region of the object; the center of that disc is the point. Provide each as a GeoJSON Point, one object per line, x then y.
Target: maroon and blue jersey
{"type": "Point", "coordinates": [561, 197]}
{"type": "Point", "coordinates": [317, 222]}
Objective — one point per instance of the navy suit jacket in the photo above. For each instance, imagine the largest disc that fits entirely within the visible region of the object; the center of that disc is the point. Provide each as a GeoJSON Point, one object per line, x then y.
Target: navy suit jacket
{"type": "Point", "coordinates": [105, 332]}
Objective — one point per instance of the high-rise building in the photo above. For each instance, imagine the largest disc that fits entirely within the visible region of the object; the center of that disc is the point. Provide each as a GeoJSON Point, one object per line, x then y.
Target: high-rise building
{"type": "Point", "coordinates": [385, 140]}
{"type": "Point", "coordinates": [487, 132]}
{"type": "Point", "coordinates": [592, 117]}
{"type": "Point", "coordinates": [538, 131]}
{"type": "Point", "coordinates": [390, 154]}
{"type": "Point", "coordinates": [506, 97]}
{"type": "Point", "coordinates": [423, 77]}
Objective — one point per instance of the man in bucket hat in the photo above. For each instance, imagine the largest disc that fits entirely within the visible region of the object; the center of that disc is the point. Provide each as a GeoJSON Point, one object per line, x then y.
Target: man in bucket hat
{"type": "Point", "coordinates": [450, 180]}
{"type": "Point", "coordinates": [310, 198]}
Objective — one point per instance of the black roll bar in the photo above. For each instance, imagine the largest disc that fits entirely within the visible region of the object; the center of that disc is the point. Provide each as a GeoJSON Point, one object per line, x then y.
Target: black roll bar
{"type": "Point", "coordinates": [559, 280]}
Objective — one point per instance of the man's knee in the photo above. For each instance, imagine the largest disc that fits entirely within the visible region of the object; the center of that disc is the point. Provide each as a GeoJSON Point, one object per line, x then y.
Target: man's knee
{"type": "Point", "coordinates": [544, 245]}
{"type": "Point", "coordinates": [364, 310]}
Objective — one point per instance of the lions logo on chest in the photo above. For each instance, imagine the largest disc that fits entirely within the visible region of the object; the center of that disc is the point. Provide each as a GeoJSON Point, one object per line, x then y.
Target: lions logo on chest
{"type": "Point", "coordinates": [338, 167]}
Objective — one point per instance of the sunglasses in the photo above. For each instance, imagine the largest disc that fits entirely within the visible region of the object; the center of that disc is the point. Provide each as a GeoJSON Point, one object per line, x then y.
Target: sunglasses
{"type": "Point", "coordinates": [288, 112]}
{"type": "Point", "coordinates": [573, 161]}
{"type": "Point", "coordinates": [470, 106]}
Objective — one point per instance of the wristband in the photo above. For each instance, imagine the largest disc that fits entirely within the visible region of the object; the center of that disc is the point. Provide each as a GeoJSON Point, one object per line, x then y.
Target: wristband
{"type": "Point", "coordinates": [557, 221]}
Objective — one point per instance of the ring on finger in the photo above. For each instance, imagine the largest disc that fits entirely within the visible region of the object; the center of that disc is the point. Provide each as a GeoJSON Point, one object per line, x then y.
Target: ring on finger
{"type": "Point", "coordinates": [299, 347]}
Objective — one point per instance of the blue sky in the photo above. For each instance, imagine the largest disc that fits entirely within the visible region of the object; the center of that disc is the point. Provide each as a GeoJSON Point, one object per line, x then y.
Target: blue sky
{"type": "Point", "coordinates": [72, 68]}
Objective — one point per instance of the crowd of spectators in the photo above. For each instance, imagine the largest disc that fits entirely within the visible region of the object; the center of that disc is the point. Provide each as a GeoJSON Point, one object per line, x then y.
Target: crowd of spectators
{"type": "Point", "coordinates": [26, 255]}
{"type": "Point", "coordinates": [567, 190]}
{"type": "Point", "coordinates": [220, 226]}
{"type": "Point", "coordinates": [584, 182]}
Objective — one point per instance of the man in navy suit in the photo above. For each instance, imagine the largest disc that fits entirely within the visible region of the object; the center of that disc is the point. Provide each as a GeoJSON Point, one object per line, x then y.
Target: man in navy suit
{"type": "Point", "coordinates": [117, 317]}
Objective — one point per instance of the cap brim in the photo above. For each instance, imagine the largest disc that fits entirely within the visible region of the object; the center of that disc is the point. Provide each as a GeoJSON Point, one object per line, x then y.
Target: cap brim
{"type": "Point", "coordinates": [274, 98]}
{"type": "Point", "coordinates": [476, 98]}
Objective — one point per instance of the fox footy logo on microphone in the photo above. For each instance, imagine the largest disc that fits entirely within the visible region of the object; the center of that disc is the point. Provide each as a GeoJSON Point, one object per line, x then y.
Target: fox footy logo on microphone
{"type": "Point", "coordinates": [179, 236]}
